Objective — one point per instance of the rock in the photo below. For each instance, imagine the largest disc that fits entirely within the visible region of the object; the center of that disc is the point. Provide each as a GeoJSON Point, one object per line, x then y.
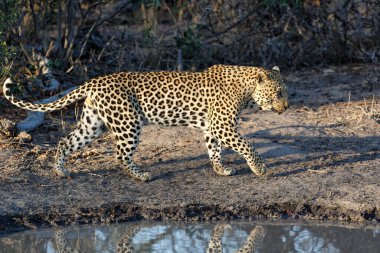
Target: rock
{"type": "Point", "coordinates": [24, 137]}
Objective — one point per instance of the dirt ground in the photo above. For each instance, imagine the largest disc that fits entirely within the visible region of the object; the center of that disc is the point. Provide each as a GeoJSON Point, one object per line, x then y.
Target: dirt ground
{"type": "Point", "coordinates": [323, 158]}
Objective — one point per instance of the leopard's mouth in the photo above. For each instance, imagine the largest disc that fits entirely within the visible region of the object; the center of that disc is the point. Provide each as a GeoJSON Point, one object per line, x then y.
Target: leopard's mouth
{"type": "Point", "coordinates": [274, 110]}
{"type": "Point", "coordinates": [279, 110]}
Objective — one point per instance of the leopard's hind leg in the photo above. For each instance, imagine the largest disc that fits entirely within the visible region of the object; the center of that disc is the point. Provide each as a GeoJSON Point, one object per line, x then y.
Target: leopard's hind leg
{"type": "Point", "coordinates": [88, 129]}
{"type": "Point", "coordinates": [127, 141]}
{"type": "Point", "coordinates": [126, 122]}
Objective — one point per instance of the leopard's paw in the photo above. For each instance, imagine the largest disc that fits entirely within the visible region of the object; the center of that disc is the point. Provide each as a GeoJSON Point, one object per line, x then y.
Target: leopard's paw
{"type": "Point", "coordinates": [221, 170]}
{"type": "Point", "coordinates": [260, 169]}
{"type": "Point", "coordinates": [61, 172]}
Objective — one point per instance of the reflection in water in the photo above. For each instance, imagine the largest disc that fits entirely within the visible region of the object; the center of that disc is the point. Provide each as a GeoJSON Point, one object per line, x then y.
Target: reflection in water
{"type": "Point", "coordinates": [305, 241]}
{"type": "Point", "coordinates": [194, 237]}
{"type": "Point", "coordinates": [253, 241]}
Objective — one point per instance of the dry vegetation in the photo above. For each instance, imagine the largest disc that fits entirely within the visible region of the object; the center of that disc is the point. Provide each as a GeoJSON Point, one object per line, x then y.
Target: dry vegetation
{"type": "Point", "coordinates": [83, 39]}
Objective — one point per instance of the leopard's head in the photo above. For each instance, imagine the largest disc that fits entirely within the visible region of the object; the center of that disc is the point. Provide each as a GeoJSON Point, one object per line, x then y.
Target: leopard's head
{"type": "Point", "coordinates": [270, 92]}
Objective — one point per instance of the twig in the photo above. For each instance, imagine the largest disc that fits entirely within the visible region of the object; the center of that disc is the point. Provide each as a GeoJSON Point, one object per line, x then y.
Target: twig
{"type": "Point", "coordinates": [50, 49]}
{"type": "Point", "coordinates": [349, 98]}
{"type": "Point", "coordinates": [47, 144]}
{"type": "Point", "coordinates": [31, 6]}
{"type": "Point", "coordinates": [3, 77]}
{"type": "Point", "coordinates": [17, 142]}
{"type": "Point", "coordinates": [12, 179]}
{"type": "Point", "coordinates": [373, 103]}
{"type": "Point", "coordinates": [69, 33]}
{"type": "Point", "coordinates": [86, 37]}
{"type": "Point", "coordinates": [115, 13]}
{"type": "Point", "coordinates": [318, 171]}
{"type": "Point", "coordinates": [170, 13]}
{"type": "Point", "coordinates": [84, 14]}
{"type": "Point", "coordinates": [27, 55]}
{"type": "Point", "coordinates": [94, 174]}
{"type": "Point", "coordinates": [84, 41]}
{"type": "Point", "coordinates": [254, 11]}
{"type": "Point", "coordinates": [107, 44]}
{"type": "Point", "coordinates": [59, 28]}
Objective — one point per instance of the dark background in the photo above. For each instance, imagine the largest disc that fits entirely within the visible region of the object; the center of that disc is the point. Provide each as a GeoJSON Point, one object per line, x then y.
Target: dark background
{"type": "Point", "coordinates": [87, 38]}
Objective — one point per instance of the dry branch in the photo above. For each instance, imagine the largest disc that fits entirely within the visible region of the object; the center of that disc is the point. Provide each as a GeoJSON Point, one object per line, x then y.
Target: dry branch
{"type": "Point", "coordinates": [12, 179]}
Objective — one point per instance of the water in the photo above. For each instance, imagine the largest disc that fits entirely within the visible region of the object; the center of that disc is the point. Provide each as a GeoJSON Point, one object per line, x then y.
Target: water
{"type": "Point", "coordinates": [196, 237]}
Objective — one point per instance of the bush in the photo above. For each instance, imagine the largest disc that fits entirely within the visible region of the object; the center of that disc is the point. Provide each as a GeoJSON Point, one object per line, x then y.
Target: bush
{"type": "Point", "coordinates": [8, 16]}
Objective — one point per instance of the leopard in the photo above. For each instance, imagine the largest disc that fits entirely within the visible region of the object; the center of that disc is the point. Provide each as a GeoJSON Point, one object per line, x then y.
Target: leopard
{"type": "Point", "coordinates": [210, 100]}
{"type": "Point", "coordinates": [254, 240]}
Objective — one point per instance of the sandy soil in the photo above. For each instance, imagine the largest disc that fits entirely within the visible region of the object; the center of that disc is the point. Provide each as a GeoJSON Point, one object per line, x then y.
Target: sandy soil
{"type": "Point", "coordinates": [323, 158]}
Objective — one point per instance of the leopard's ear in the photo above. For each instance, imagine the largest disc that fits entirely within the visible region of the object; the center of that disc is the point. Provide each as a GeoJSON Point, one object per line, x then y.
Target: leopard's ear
{"type": "Point", "coordinates": [276, 68]}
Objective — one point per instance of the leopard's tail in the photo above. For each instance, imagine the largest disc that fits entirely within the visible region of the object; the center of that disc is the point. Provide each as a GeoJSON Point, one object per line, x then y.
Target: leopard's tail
{"type": "Point", "coordinates": [75, 95]}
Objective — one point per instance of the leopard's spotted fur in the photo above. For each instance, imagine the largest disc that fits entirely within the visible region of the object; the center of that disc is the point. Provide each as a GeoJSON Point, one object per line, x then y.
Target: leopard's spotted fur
{"type": "Point", "coordinates": [210, 100]}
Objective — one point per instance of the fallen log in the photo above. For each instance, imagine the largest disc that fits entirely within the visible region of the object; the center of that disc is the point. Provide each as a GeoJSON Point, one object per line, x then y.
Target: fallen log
{"type": "Point", "coordinates": [35, 119]}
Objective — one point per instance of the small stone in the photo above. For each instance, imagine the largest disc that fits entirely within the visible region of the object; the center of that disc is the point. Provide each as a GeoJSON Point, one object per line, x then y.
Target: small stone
{"type": "Point", "coordinates": [7, 128]}
{"type": "Point", "coordinates": [24, 137]}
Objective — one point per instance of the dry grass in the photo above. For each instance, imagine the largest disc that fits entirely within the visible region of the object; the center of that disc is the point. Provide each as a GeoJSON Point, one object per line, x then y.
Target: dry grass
{"type": "Point", "coordinates": [204, 33]}
{"type": "Point", "coordinates": [363, 110]}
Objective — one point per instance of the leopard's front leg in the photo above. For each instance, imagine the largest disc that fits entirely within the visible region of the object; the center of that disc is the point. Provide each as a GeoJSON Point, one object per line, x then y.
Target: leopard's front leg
{"type": "Point", "coordinates": [232, 139]}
